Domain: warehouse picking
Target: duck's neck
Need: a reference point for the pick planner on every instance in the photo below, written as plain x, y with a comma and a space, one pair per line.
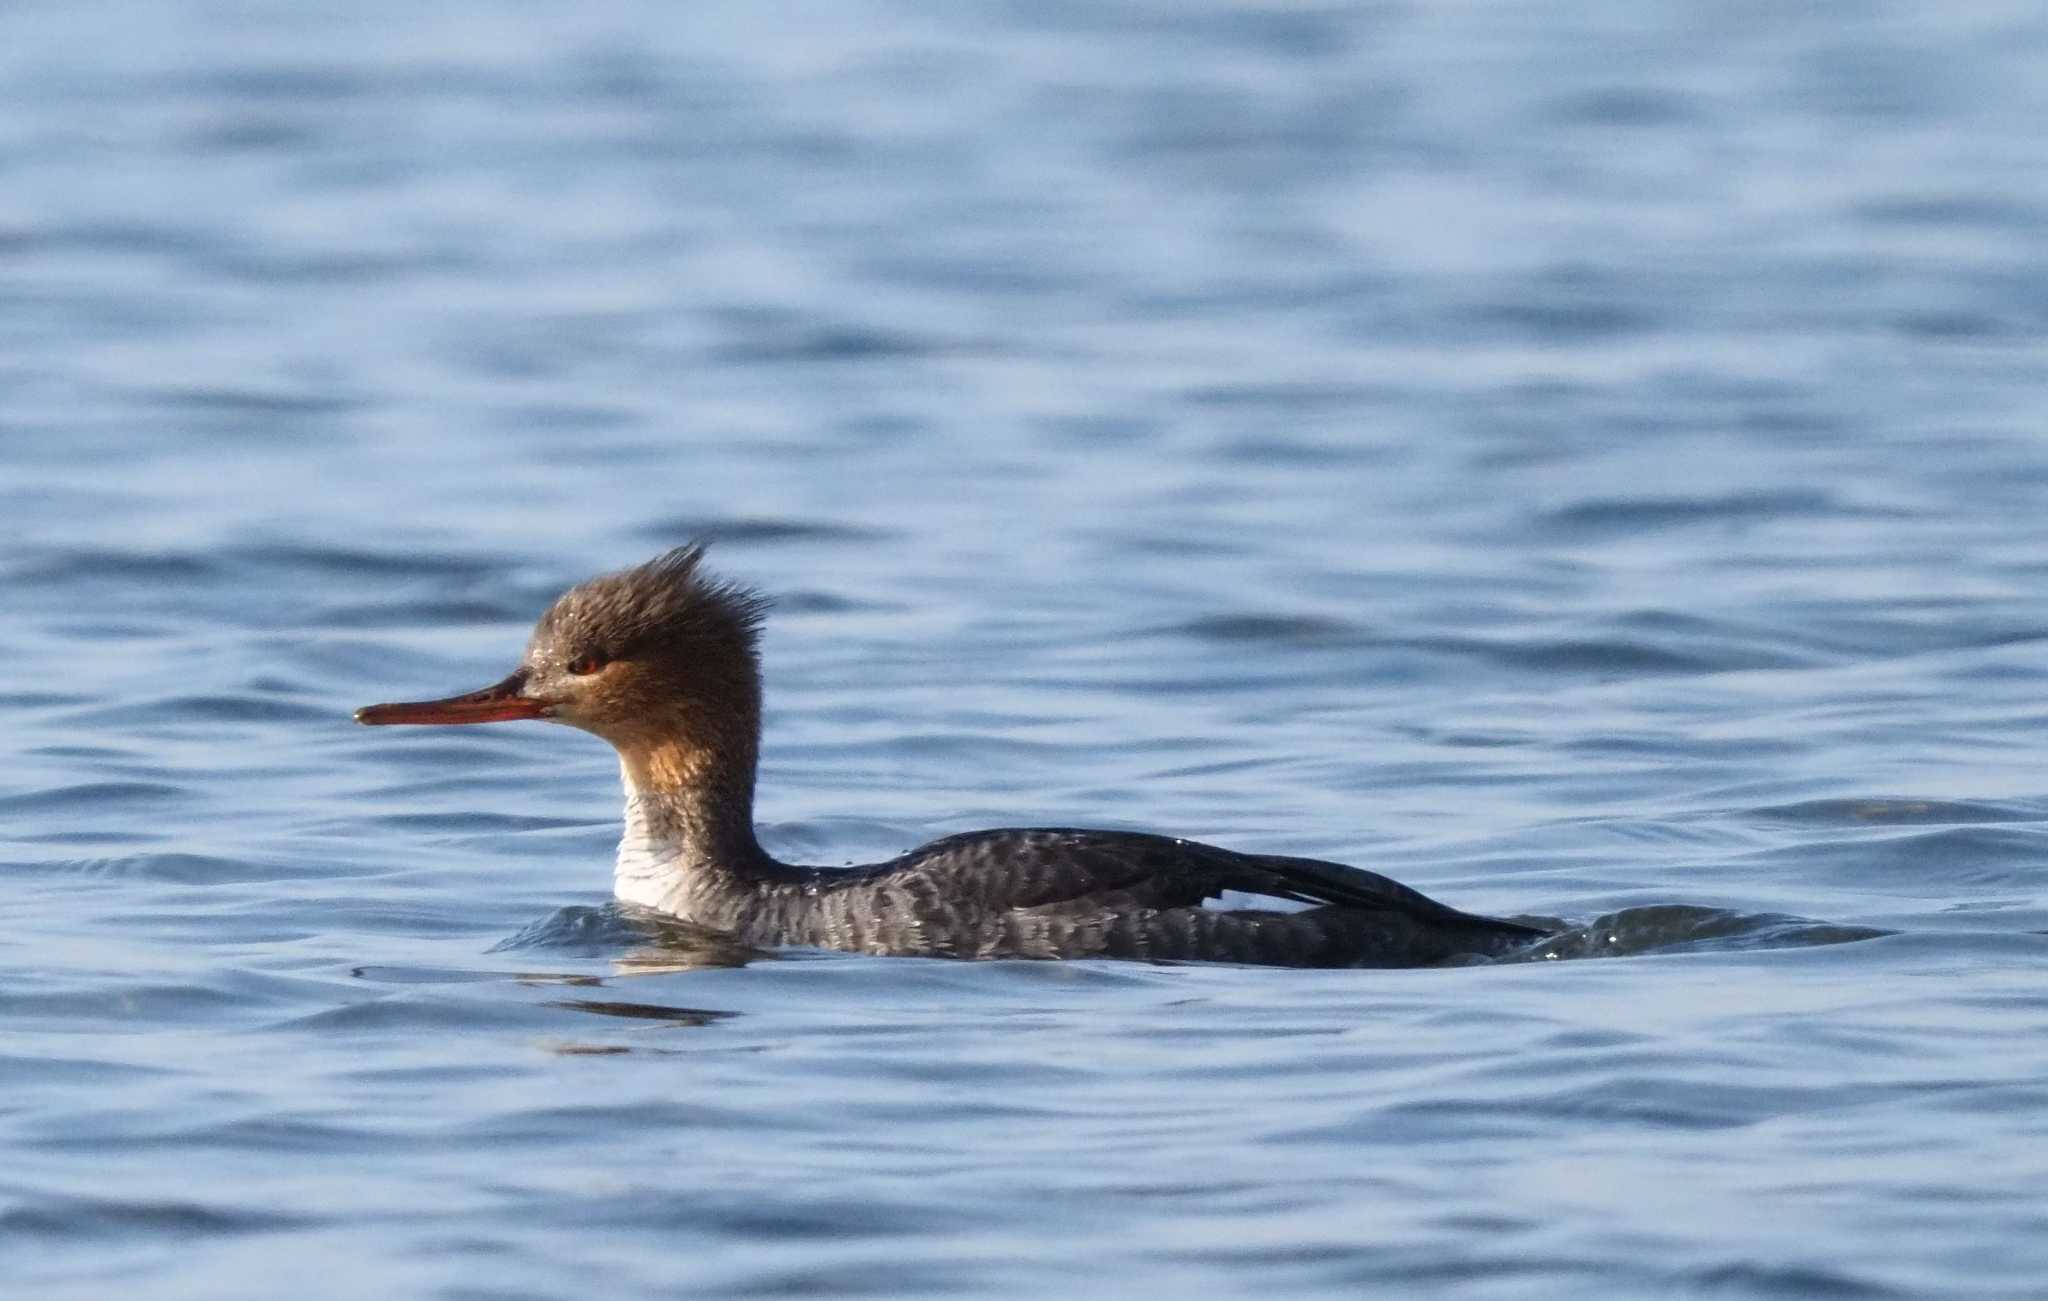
689, 826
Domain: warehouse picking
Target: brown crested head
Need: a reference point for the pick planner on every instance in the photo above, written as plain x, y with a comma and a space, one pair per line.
649, 652
624, 652
661, 660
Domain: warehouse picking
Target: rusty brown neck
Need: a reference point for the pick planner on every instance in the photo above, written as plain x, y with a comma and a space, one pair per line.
701, 811
689, 779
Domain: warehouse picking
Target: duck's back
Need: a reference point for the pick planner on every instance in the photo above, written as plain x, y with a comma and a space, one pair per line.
1066, 893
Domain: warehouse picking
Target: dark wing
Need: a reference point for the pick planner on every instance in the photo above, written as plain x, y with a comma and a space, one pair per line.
1035, 868
1050, 868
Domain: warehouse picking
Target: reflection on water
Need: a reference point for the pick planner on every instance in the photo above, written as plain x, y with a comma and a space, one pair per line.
1681, 928
652, 941
670, 1016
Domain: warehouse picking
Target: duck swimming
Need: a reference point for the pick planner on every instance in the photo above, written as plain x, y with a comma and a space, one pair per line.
663, 661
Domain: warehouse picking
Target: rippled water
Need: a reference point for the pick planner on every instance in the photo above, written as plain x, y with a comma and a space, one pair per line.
1585, 463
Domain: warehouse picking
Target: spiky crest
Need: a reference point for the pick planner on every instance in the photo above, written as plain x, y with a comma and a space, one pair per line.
668, 603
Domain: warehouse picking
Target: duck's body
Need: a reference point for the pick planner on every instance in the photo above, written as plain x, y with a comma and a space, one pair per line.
660, 661
1065, 893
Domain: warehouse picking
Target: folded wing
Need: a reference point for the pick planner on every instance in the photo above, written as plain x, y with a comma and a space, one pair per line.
1057, 868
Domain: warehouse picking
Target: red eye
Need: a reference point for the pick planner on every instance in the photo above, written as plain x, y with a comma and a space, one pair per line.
587, 663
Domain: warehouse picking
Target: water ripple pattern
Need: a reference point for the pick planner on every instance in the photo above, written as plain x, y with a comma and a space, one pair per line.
1585, 462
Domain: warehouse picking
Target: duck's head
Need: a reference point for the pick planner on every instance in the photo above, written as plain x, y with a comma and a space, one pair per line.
661, 656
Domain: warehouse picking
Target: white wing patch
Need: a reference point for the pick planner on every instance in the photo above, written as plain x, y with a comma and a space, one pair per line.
1239, 901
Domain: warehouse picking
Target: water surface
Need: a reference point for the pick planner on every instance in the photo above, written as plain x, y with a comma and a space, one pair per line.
1586, 464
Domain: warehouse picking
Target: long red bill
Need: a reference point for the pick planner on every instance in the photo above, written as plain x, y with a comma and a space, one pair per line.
500, 703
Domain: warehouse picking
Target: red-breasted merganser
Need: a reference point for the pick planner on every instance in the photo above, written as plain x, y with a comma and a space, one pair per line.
663, 661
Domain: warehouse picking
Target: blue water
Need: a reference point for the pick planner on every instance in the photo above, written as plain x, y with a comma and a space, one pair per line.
1587, 462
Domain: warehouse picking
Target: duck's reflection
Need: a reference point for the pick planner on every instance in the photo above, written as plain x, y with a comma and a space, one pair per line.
672, 1016
672, 944
637, 942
